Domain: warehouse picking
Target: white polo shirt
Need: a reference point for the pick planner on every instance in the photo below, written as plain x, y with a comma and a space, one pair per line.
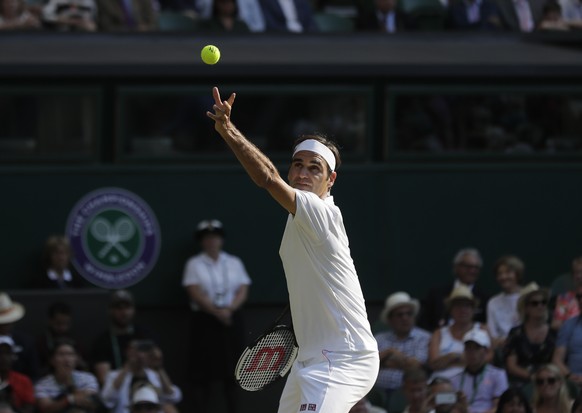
326, 299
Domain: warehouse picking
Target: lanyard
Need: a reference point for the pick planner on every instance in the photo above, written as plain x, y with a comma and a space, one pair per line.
219, 293
476, 382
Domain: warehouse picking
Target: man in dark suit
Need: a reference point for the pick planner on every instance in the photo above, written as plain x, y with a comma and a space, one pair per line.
473, 15
295, 16
466, 268
520, 15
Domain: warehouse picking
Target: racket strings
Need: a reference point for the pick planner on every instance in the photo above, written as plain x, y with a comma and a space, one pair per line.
268, 360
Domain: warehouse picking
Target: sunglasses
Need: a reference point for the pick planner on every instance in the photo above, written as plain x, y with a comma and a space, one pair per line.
535, 303
549, 380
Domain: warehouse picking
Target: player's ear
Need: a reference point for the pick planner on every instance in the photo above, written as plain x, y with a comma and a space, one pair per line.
331, 179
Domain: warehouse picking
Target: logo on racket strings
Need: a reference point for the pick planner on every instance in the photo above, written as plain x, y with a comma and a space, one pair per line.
267, 359
115, 237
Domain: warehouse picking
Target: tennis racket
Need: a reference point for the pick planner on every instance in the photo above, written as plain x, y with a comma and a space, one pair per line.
269, 358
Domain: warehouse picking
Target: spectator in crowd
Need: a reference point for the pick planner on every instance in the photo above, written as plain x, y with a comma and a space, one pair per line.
502, 313
552, 17
404, 346
566, 303
520, 15
117, 390
56, 263
568, 352
145, 399
65, 388
108, 348
217, 284
572, 12
385, 17
59, 326
481, 382
15, 16
293, 16
550, 393
15, 388
249, 11
70, 15
446, 348
443, 386
126, 15
473, 15
26, 357
513, 400
225, 18
155, 362
532, 343
415, 389
466, 269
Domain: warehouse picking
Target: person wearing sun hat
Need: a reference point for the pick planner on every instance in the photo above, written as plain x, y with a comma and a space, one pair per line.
145, 399
404, 346
446, 346
10, 313
521, 356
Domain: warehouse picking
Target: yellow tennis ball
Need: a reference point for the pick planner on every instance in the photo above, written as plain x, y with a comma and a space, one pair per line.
210, 54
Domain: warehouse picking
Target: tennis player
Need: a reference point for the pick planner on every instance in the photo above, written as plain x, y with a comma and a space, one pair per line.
338, 359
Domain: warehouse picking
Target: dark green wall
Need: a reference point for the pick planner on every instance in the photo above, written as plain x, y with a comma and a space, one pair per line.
405, 222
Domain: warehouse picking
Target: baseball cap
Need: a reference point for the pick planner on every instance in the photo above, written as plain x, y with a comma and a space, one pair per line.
209, 226
145, 394
478, 336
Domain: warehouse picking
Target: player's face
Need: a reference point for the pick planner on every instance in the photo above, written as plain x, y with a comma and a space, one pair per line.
309, 172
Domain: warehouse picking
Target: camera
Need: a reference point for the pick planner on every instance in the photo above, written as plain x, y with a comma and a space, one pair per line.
445, 398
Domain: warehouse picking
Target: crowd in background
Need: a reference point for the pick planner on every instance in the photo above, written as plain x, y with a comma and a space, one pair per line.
459, 349
293, 16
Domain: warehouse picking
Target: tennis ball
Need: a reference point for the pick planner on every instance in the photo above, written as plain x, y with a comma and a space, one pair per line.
210, 54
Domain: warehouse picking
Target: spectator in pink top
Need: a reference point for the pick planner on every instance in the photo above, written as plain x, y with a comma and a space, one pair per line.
566, 304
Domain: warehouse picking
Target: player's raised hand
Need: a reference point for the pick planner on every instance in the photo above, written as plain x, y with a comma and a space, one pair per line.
222, 110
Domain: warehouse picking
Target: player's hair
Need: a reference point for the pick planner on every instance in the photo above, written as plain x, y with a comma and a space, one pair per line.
321, 138
513, 263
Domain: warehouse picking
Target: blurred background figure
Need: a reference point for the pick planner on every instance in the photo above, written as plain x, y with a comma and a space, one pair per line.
566, 305
66, 389
293, 16
15, 16
57, 270
473, 15
385, 17
126, 15
550, 393
145, 399
16, 389
59, 326
513, 400
225, 18
70, 15
217, 285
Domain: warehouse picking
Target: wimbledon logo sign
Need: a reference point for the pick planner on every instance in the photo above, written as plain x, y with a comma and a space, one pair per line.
115, 237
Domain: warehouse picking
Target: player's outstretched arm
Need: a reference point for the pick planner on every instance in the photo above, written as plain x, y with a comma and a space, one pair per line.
258, 166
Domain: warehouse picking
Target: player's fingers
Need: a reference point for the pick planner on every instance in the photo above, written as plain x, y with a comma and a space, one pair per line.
216, 94
231, 99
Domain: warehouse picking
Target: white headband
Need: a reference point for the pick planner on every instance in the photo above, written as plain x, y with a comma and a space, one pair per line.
319, 148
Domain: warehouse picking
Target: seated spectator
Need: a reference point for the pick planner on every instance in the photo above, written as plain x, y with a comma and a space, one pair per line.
415, 391
467, 265
15, 16
116, 393
502, 313
225, 18
145, 399
520, 15
65, 388
293, 16
108, 348
473, 15
481, 382
15, 388
155, 361
56, 261
532, 343
26, 361
568, 352
404, 346
572, 13
446, 346
249, 11
513, 400
59, 326
442, 386
566, 304
550, 393
385, 17
126, 15
70, 15
552, 17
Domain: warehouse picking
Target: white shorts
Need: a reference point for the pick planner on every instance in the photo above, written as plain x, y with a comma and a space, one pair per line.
332, 383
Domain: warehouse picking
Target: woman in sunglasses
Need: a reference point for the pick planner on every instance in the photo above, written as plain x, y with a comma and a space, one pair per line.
531, 343
550, 393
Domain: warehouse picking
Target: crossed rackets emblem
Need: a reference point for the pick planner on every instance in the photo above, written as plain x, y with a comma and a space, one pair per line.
112, 235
